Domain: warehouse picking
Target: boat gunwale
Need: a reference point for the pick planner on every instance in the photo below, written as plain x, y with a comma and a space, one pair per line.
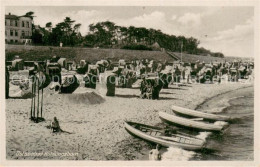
178, 144
200, 114
199, 125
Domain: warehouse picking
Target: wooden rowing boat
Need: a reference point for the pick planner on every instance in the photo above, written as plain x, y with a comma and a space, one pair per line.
163, 137
199, 114
189, 123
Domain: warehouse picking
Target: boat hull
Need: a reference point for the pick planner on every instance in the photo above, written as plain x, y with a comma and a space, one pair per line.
184, 122
135, 132
199, 114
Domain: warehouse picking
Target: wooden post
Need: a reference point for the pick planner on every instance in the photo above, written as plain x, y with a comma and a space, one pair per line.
38, 99
34, 87
42, 101
36, 92
32, 100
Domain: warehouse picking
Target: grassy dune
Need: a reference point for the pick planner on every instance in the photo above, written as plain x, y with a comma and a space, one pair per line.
39, 53
207, 59
194, 58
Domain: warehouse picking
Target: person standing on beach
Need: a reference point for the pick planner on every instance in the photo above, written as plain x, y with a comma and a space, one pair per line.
154, 154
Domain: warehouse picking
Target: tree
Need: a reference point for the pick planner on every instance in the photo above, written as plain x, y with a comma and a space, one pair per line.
30, 15
131, 34
76, 27
107, 34
48, 26
37, 36
64, 32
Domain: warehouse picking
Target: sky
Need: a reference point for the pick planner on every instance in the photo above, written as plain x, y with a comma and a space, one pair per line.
229, 30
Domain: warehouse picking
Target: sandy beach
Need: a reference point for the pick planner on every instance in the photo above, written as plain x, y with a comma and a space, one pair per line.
96, 122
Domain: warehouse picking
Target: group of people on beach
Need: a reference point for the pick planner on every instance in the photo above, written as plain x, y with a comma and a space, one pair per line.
151, 76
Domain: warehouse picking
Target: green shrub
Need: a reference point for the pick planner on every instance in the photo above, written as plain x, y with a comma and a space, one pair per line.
136, 47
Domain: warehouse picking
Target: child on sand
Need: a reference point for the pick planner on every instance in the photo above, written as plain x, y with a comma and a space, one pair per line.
55, 125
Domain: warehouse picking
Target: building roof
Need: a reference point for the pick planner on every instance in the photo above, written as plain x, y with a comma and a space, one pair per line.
15, 17
156, 45
31, 17
10, 16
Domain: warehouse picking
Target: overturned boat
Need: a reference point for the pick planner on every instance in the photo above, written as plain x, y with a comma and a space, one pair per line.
163, 137
190, 123
199, 114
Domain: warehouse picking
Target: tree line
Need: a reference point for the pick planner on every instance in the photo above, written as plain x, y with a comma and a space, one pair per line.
109, 35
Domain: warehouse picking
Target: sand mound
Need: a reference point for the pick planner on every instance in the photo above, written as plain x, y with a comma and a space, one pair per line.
85, 98
80, 96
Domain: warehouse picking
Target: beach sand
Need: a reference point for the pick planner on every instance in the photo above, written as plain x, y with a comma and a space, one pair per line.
97, 127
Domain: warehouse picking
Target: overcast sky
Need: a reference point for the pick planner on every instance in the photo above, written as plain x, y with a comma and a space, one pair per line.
229, 30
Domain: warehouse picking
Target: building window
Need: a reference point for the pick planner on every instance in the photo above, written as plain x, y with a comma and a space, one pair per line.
16, 41
11, 41
11, 23
28, 24
16, 23
16, 33
23, 34
5, 22
11, 32
22, 23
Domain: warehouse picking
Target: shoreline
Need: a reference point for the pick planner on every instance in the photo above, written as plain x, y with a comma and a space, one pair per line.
217, 95
239, 105
185, 154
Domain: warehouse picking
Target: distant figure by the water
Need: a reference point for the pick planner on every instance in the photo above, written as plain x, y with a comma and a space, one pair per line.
155, 154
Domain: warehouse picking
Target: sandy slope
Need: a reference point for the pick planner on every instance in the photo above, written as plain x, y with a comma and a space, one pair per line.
97, 128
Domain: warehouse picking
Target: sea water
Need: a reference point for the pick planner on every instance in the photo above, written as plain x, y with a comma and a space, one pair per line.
235, 143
